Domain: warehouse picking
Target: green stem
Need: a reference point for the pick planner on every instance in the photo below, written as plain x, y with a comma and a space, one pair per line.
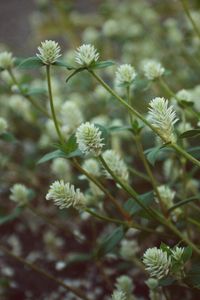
188, 14
29, 98
139, 174
52, 105
137, 114
42, 272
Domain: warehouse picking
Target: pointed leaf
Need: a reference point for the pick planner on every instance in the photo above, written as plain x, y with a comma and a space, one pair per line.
31, 63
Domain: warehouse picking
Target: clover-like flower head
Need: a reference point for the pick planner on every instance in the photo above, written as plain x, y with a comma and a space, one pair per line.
86, 54
49, 52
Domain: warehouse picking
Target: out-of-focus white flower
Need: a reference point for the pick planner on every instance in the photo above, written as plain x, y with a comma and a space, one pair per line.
167, 195
21, 107
71, 116
163, 118
89, 139
110, 28
90, 35
157, 262
125, 284
86, 54
65, 195
184, 126
92, 166
116, 164
19, 194
177, 253
152, 69
184, 95
125, 74
6, 60
3, 125
118, 295
49, 52
128, 249
61, 168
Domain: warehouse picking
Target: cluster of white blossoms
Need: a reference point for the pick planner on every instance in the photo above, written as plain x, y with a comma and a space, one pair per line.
116, 164
65, 195
167, 195
19, 194
86, 54
125, 74
61, 168
71, 116
89, 139
129, 249
49, 52
152, 69
163, 118
92, 166
157, 262
6, 60
124, 283
184, 95
177, 253
3, 125
118, 295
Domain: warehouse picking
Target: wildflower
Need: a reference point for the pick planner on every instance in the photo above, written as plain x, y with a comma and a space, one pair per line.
125, 74
91, 166
125, 284
177, 253
6, 60
71, 115
116, 164
157, 262
153, 69
89, 139
86, 54
65, 195
3, 125
61, 168
167, 195
128, 249
184, 95
163, 118
49, 52
118, 295
19, 194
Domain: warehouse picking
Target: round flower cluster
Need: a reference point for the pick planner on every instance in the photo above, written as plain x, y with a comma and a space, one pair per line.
116, 164
49, 52
89, 139
19, 194
118, 295
153, 69
86, 54
157, 262
65, 195
125, 74
92, 166
163, 118
3, 125
6, 60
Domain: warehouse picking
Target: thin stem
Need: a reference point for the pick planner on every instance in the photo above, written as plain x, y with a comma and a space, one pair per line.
188, 14
124, 214
139, 174
137, 114
42, 272
52, 105
29, 98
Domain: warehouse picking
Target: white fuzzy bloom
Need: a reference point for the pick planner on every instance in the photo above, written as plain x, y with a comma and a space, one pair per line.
128, 249
163, 118
184, 95
61, 168
125, 284
89, 139
49, 52
153, 69
118, 295
65, 195
177, 253
6, 60
71, 116
92, 166
86, 54
157, 262
116, 164
125, 74
3, 125
19, 194
167, 195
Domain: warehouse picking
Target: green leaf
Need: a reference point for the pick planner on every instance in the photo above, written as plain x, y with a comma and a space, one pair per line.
31, 63
193, 276
132, 207
187, 254
111, 241
166, 281
60, 63
74, 73
190, 133
8, 137
77, 258
36, 91
71, 145
185, 104
153, 154
183, 202
102, 64
51, 155
12, 216
119, 128
194, 151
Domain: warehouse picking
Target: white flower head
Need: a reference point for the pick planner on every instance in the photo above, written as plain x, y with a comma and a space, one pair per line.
92, 166
86, 54
177, 253
89, 139
3, 125
157, 262
19, 194
118, 295
6, 60
163, 118
125, 74
71, 115
116, 164
153, 69
49, 52
61, 168
125, 284
128, 249
184, 95
167, 195
65, 195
